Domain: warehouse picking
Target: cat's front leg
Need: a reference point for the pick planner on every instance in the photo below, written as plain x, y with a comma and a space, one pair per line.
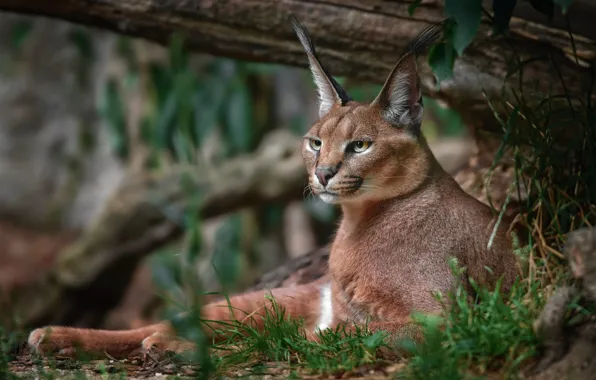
72, 342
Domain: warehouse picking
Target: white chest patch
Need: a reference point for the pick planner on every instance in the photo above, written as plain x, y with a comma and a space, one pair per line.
326, 309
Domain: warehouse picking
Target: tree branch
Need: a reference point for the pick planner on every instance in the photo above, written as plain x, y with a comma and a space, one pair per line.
149, 209
147, 212
359, 39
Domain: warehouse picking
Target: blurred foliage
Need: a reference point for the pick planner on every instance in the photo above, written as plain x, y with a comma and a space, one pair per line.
189, 103
82, 40
8, 340
112, 109
19, 34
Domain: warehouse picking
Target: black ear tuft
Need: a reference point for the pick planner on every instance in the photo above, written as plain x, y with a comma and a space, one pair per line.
426, 38
330, 92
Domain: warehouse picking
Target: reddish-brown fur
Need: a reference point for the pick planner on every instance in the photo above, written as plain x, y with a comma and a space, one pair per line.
403, 218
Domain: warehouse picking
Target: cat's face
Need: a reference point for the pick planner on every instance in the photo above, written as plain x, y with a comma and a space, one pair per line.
366, 152
354, 154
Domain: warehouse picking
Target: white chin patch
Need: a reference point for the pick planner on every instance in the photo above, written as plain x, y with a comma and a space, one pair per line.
329, 198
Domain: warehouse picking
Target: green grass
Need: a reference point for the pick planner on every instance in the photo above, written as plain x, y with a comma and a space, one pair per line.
282, 342
7, 342
491, 334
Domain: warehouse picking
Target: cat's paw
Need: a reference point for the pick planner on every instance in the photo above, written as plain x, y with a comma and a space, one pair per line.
161, 343
49, 341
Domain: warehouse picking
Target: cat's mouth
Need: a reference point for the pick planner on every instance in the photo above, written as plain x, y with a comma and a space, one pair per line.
340, 191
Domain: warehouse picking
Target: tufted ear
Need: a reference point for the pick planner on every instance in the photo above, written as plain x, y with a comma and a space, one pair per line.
330, 92
400, 98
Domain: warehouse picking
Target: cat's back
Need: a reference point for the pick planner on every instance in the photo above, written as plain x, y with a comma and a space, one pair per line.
482, 240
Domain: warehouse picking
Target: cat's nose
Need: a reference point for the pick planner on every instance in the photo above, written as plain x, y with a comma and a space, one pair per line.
325, 173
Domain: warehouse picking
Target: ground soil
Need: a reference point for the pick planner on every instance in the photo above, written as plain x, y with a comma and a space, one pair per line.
25, 366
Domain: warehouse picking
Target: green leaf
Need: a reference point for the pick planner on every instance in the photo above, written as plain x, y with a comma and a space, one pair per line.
208, 101
238, 117
165, 271
147, 132
125, 50
564, 4
131, 79
502, 10
441, 59
261, 68
193, 230
185, 83
112, 109
81, 39
467, 15
226, 253
375, 340
164, 125
413, 7
19, 33
205, 118
298, 124
162, 80
178, 54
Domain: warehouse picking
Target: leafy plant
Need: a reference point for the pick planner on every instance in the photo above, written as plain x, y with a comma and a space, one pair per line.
492, 333
464, 19
19, 33
7, 341
187, 103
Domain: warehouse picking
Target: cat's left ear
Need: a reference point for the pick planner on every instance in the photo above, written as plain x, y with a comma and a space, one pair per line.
400, 98
330, 92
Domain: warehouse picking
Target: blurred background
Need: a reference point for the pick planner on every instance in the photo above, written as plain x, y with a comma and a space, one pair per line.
133, 176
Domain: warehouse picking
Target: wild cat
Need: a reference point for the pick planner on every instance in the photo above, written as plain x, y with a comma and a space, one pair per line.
403, 217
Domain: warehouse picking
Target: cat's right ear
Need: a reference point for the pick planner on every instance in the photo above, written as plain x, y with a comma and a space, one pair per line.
330, 92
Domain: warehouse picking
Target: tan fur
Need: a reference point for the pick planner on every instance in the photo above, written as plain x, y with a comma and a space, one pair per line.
403, 218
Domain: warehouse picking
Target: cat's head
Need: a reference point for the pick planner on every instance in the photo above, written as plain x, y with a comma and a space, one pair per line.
365, 151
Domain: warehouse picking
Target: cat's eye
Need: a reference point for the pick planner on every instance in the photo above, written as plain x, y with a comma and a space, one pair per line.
315, 144
359, 146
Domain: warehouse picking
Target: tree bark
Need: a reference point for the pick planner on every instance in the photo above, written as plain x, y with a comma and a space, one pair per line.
567, 350
359, 39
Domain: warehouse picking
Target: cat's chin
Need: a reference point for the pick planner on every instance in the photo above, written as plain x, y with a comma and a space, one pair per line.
329, 198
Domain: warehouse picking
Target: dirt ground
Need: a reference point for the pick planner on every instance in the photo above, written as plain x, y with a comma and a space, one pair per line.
27, 367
